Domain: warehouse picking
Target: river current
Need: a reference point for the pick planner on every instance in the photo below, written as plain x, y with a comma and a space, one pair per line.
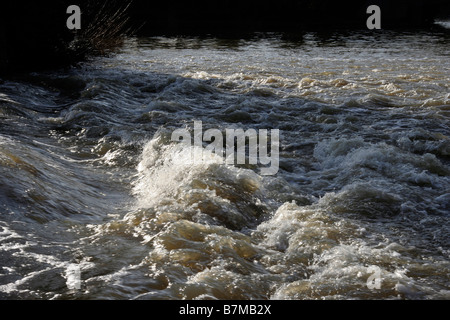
90, 179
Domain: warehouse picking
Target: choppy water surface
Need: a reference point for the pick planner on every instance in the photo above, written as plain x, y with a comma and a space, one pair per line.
89, 176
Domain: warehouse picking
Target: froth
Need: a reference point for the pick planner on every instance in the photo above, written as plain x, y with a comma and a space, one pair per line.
169, 176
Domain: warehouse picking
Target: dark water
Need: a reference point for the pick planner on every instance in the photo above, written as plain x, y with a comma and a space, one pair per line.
89, 177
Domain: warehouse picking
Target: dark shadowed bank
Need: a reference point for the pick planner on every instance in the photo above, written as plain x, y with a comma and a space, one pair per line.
236, 17
33, 34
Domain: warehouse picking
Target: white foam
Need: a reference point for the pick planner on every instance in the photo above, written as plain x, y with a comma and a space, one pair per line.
165, 168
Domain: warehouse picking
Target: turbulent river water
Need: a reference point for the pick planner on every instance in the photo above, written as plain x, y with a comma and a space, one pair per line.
91, 181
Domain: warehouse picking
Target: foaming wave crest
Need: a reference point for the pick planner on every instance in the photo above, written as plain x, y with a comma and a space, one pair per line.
169, 176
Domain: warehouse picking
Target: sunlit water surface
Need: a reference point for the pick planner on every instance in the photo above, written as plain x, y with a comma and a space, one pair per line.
89, 176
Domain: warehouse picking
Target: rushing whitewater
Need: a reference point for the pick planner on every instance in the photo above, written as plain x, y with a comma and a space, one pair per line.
98, 202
